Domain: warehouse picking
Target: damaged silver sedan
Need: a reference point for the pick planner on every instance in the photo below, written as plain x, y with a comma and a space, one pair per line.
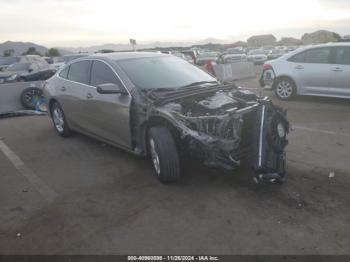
164, 107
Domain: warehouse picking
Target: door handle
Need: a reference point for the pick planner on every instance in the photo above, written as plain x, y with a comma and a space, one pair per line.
337, 69
299, 67
89, 96
63, 88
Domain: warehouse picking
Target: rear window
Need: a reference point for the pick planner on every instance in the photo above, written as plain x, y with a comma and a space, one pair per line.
343, 56
313, 56
298, 58
80, 72
64, 72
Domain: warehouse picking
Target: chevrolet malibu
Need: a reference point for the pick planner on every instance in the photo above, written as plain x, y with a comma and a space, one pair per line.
161, 106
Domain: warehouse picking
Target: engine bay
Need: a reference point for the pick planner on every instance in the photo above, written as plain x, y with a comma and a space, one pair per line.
218, 103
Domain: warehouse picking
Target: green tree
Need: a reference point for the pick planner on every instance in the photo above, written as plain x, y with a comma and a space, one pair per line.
53, 52
8, 52
31, 51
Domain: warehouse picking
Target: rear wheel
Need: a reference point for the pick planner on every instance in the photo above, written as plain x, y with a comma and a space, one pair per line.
30, 96
164, 154
285, 89
59, 120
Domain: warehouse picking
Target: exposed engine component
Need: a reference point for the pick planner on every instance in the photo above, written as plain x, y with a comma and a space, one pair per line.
218, 103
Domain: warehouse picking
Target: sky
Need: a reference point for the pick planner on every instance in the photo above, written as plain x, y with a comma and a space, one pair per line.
73, 23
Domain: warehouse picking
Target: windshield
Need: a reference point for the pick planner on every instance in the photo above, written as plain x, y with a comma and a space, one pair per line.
234, 51
163, 72
18, 67
209, 54
181, 55
8, 60
256, 52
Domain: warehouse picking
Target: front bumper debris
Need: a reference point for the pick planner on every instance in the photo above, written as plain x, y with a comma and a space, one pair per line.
251, 133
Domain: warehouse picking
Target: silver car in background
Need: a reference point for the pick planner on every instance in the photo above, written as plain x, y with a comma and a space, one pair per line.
257, 56
319, 70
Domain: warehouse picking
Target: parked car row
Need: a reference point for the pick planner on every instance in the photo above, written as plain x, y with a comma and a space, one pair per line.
239, 54
31, 67
26, 68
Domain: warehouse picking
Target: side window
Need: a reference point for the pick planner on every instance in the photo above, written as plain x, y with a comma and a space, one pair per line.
64, 72
102, 74
343, 55
298, 58
318, 56
34, 67
80, 72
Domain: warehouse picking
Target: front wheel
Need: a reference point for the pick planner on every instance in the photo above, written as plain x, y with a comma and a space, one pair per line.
285, 89
164, 154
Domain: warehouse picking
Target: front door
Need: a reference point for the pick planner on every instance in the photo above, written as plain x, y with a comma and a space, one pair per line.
107, 115
313, 71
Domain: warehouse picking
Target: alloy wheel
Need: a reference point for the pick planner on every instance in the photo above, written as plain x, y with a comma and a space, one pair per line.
58, 119
155, 157
284, 89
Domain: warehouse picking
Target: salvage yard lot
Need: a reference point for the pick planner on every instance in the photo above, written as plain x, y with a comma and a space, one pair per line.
79, 196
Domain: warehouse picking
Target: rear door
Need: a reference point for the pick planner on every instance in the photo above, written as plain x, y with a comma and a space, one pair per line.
73, 91
312, 69
107, 115
340, 72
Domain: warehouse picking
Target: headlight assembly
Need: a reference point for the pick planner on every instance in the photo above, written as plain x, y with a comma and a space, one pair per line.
281, 130
11, 78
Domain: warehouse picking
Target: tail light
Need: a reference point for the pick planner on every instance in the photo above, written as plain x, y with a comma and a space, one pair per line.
267, 67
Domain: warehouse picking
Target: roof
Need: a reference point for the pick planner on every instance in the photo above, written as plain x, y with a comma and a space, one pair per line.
127, 55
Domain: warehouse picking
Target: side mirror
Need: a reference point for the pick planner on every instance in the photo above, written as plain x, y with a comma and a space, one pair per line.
110, 88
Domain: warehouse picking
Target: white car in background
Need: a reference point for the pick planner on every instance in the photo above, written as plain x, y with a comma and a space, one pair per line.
319, 70
183, 56
234, 55
257, 56
206, 57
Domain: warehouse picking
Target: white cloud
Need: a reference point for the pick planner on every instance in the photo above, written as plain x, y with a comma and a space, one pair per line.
85, 22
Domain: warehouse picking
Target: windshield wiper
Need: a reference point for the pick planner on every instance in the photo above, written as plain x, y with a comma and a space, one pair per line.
200, 83
160, 89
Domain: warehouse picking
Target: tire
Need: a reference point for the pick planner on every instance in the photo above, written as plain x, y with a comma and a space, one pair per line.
285, 89
30, 96
164, 154
59, 120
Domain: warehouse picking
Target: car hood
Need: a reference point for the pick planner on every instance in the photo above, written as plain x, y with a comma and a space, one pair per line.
10, 73
256, 56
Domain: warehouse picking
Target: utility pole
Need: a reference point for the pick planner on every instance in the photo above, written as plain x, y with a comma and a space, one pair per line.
133, 44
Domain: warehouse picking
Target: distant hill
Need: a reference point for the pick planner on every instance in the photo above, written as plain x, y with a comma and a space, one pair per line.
319, 37
21, 47
261, 40
288, 41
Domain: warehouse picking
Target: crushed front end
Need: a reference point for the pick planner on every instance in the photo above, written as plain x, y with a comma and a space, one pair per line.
232, 125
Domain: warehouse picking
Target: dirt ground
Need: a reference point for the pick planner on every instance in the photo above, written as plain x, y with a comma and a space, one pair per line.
79, 196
